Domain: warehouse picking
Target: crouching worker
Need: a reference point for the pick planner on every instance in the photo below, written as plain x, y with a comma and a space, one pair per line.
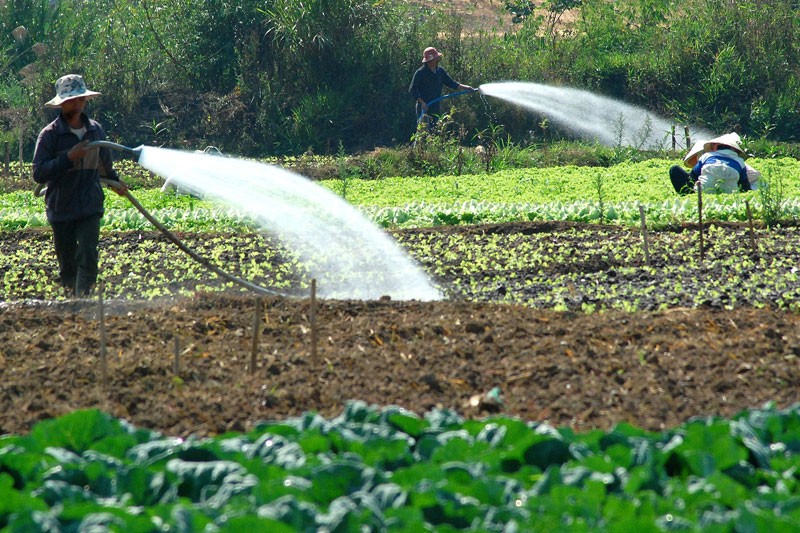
717, 166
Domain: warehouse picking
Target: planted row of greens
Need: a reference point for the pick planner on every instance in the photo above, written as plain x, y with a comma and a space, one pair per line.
590, 268
581, 194
571, 193
583, 268
388, 469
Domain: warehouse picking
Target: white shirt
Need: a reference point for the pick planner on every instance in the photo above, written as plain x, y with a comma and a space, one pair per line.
718, 176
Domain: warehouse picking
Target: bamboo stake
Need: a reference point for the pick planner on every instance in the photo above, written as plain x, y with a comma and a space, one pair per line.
21, 153
256, 335
753, 246
700, 219
312, 315
176, 361
674, 139
102, 324
644, 235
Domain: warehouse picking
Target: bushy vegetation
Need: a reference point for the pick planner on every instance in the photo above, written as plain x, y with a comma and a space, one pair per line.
285, 77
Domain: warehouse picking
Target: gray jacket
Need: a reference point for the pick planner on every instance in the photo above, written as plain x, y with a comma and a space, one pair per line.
73, 188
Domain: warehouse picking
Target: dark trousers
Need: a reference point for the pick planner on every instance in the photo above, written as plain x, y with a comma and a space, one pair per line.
433, 110
76, 244
681, 180
431, 116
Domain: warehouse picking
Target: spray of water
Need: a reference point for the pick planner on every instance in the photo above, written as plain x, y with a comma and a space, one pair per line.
350, 257
590, 116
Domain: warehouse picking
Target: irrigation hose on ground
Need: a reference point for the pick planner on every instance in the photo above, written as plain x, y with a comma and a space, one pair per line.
134, 155
177, 242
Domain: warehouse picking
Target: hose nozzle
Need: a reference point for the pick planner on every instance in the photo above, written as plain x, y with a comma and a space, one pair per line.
127, 153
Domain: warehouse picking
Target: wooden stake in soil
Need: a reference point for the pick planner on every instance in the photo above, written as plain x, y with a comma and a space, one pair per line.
176, 361
750, 226
256, 334
700, 219
102, 324
688, 137
674, 139
644, 236
21, 152
312, 316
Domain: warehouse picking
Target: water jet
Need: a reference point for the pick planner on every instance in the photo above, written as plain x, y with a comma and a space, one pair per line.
349, 256
591, 116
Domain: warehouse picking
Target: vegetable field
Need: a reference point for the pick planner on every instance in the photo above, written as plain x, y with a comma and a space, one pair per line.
580, 375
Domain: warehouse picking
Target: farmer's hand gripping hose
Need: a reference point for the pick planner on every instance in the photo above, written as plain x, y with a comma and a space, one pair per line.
122, 190
128, 153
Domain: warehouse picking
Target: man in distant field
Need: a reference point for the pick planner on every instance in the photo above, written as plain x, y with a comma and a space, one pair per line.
427, 83
72, 171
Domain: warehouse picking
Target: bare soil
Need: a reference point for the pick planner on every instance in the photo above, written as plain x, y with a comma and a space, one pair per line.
485, 15
184, 366
489, 15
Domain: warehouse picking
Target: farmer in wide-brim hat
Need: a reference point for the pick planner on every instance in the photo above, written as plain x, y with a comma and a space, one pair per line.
72, 170
427, 83
717, 165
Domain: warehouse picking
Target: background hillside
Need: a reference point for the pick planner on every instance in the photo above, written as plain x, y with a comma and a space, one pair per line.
480, 15
284, 77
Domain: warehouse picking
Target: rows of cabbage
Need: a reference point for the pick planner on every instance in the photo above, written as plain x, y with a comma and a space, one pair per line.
373, 469
587, 268
580, 194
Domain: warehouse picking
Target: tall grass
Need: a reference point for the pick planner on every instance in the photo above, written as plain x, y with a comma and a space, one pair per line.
266, 77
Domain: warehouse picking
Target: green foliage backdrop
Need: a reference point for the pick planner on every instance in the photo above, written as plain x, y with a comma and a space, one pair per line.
277, 77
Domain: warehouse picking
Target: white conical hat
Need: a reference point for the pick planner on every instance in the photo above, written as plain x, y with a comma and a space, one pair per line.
730, 140
690, 159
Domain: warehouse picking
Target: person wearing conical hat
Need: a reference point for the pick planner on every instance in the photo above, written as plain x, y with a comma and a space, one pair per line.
72, 170
427, 82
717, 166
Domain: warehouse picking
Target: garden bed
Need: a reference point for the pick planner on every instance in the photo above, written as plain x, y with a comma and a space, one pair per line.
478, 352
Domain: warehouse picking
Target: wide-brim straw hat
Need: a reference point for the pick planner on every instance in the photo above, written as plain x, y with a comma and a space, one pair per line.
69, 87
731, 140
690, 159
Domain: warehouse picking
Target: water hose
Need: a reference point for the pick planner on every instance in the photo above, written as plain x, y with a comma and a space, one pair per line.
129, 153
450, 95
134, 154
444, 97
177, 242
